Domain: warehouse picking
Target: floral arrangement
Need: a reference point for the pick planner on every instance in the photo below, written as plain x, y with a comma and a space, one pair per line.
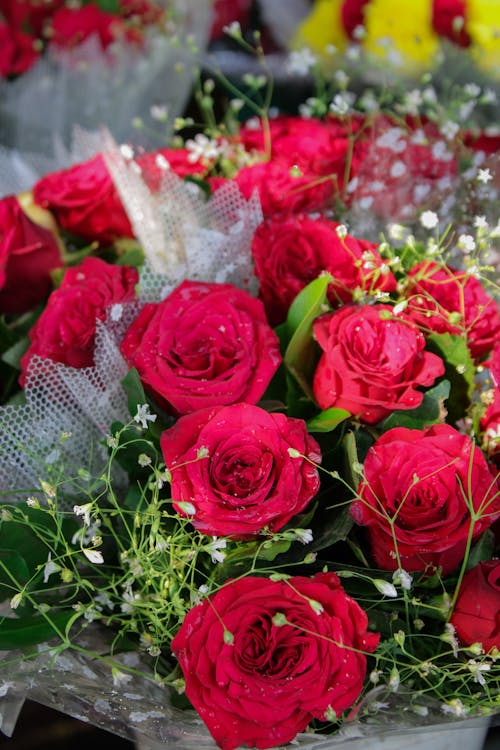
411, 42
295, 501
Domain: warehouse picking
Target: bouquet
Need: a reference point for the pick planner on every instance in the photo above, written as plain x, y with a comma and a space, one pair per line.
281, 509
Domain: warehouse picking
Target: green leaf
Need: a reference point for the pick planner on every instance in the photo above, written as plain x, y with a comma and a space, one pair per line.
482, 550
270, 550
431, 410
460, 370
327, 420
134, 390
13, 355
307, 306
27, 631
332, 525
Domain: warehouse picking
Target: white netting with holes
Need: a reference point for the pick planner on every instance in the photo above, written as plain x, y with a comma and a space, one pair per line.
68, 412
183, 234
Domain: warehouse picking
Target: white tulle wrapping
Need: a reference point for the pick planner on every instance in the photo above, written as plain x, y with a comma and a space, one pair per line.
184, 237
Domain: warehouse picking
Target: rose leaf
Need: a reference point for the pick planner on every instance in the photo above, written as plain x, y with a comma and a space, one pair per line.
327, 420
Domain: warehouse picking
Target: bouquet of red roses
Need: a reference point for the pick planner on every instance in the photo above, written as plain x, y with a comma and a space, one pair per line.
283, 502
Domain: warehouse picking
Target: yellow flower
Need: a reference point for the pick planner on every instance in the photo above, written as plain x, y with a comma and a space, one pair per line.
404, 38
483, 25
322, 28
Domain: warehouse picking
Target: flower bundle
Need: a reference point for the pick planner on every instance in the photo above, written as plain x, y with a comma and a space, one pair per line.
409, 42
297, 497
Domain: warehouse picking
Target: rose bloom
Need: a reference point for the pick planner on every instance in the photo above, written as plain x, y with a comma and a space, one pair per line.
280, 190
444, 300
72, 26
154, 165
320, 147
286, 663
29, 15
419, 478
28, 253
17, 53
85, 201
65, 331
248, 481
205, 344
445, 14
290, 251
476, 616
372, 362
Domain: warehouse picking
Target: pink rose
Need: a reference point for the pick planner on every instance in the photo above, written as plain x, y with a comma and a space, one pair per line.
372, 362
17, 51
204, 345
285, 664
424, 482
248, 481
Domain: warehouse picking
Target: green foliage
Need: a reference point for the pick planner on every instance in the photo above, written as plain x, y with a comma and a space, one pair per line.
431, 411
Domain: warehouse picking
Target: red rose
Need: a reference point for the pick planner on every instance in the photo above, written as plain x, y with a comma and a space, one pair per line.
372, 362
85, 202
315, 146
282, 190
65, 331
353, 15
154, 165
425, 482
226, 12
399, 170
476, 616
17, 51
71, 26
449, 20
295, 651
204, 345
291, 251
444, 300
248, 480
28, 253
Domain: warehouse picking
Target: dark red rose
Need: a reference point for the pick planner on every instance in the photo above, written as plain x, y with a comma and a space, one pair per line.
65, 331
444, 300
17, 51
28, 15
28, 253
85, 202
290, 251
226, 12
449, 20
204, 345
372, 362
352, 14
281, 189
71, 26
295, 649
425, 482
401, 170
476, 616
248, 481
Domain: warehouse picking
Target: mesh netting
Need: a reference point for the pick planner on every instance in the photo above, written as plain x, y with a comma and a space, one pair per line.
68, 412
183, 234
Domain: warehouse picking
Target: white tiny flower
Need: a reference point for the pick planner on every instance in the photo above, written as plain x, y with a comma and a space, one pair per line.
341, 230
120, 678
400, 307
477, 669
484, 176
394, 679
467, 243
202, 148
126, 151
186, 507
16, 601
385, 588
143, 416
472, 89
401, 578
202, 452
232, 29
32, 502
398, 169
215, 549
144, 460
396, 231
159, 112
83, 510
112, 441
480, 222
429, 219
50, 568
94, 556
341, 103
449, 129
301, 61
304, 535
454, 707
